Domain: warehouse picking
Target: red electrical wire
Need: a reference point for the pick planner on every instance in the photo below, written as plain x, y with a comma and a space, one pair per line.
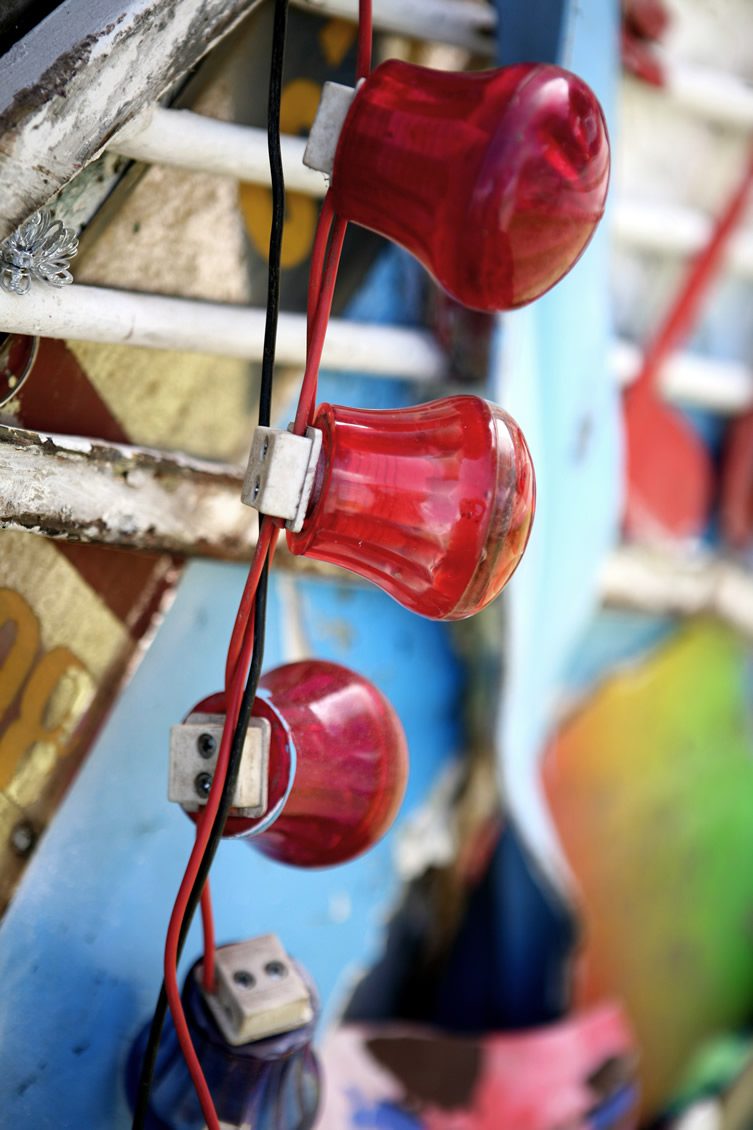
203, 829
318, 327
246, 606
207, 927
325, 260
365, 35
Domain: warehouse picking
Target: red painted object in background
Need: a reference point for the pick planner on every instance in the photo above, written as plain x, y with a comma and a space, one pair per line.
669, 471
576, 1074
433, 503
339, 739
643, 23
736, 483
648, 19
495, 181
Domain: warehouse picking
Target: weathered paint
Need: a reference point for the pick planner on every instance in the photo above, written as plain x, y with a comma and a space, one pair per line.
113, 494
83, 73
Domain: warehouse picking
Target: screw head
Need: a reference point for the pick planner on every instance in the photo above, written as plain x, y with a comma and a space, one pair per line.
202, 784
22, 838
206, 745
243, 978
276, 970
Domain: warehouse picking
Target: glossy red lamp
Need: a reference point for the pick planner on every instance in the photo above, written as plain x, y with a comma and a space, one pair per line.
337, 764
495, 180
432, 503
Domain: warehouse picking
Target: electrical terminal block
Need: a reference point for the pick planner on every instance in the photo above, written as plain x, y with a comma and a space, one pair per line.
325, 132
259, 992
280, 475
194, 747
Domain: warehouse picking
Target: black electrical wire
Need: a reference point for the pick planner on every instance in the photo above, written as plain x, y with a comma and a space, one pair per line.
277, 59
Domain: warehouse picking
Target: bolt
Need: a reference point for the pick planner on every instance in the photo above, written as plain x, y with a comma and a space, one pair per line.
245, 979
206, 745
275, 970
22, 838
202, 784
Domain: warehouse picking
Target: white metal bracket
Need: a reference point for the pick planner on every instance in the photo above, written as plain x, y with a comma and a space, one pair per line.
194, 747
325, 132
259, 992
280, 474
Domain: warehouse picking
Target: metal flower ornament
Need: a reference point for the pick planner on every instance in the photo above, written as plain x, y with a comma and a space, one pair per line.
41, 248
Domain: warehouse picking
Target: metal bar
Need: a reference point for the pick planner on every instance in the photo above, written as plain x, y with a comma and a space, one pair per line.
186, 140
711, 94
78, 489
96, 314
663, 583
670, 229
461, 23
723, 387
81, 74
92, 491
127, 318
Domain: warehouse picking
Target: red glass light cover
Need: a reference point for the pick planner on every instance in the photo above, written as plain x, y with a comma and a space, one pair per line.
432, 503
495, 181
342, 743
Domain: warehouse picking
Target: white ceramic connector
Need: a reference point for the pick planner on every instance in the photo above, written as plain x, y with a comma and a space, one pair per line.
194, 746
259, 992
328, 123
280, 473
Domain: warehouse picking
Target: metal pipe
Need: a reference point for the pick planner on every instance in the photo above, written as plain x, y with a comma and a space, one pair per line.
185, 140
670, 229
90, 313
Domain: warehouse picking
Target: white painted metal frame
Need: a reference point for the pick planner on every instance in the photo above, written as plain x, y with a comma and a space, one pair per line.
667, 583
89, 313
185, 140
671, 229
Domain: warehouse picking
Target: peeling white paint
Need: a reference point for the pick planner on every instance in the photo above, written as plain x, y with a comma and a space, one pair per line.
81, 74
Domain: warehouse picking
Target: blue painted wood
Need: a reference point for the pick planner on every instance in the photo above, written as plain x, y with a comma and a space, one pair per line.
80, 948
552, 374
531, 32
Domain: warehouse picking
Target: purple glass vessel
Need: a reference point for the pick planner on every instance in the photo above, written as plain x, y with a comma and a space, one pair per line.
271, 1084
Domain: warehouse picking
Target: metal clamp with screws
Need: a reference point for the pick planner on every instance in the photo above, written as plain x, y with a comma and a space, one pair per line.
259, 991
281, 472
194, 747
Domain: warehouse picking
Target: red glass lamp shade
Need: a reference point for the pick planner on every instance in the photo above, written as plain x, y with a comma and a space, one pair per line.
338, 764
432, 503
495, 181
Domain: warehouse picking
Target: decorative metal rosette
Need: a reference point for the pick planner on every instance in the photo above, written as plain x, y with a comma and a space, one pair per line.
41, 248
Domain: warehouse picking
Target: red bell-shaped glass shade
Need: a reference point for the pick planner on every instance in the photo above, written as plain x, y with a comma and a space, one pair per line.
338, 764
495, 181
433, 503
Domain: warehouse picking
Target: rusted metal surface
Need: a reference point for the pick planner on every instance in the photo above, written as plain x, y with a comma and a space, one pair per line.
74, 80
114, 494
75, 489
